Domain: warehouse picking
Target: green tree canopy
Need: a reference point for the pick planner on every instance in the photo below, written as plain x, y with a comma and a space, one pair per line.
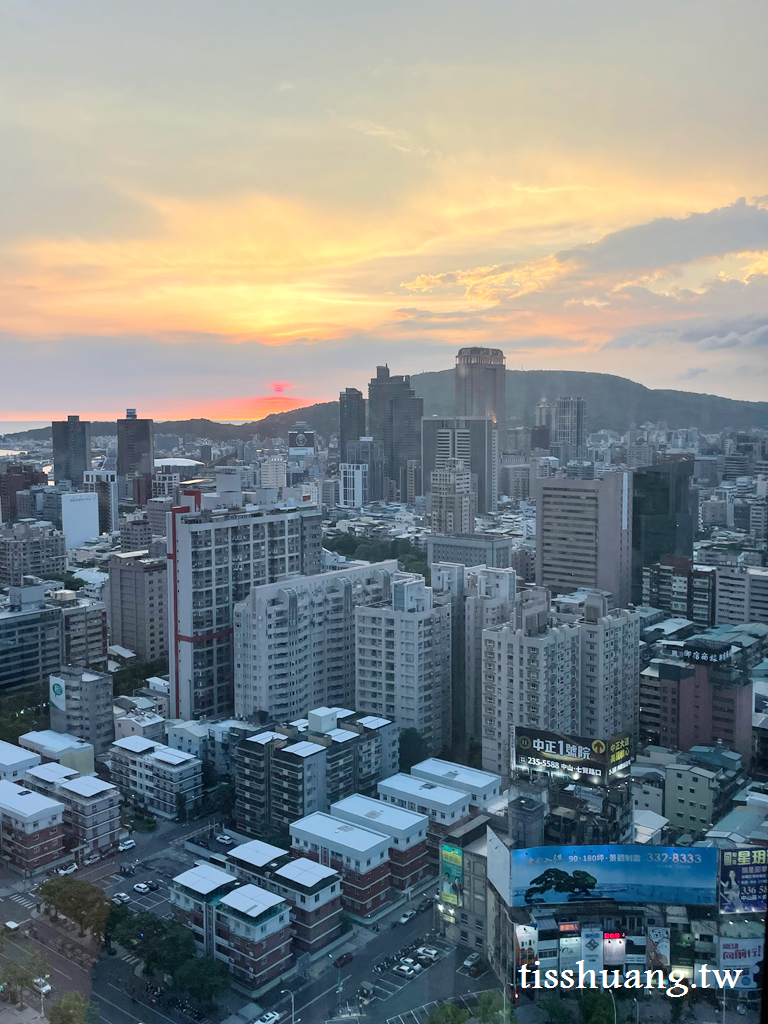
447, 1013
72, 1008
413, 749
490, 1008
556, 1010
203, 978
83, 902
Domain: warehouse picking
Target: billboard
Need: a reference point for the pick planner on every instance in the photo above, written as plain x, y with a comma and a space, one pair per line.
592, 760
642, 874
658, 948
451, 875
747, 954
614, 949
744, 880
301, 442
57, 693
526, 944
592, 948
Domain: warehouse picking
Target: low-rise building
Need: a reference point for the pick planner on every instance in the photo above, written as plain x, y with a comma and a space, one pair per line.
15, 761
482, 787
191, 737
444, 807
168, 782
360, 855
91, 807
31, 828
406, 829
62, 747
141, 723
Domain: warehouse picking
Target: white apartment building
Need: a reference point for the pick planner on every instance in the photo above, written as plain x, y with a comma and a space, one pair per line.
141, 723
295, 641
481, 787
403, 660
215, 557
742, 594
531, 676
274, 472
354, 490
170, 782
91, 806
440, 803
15, 761
610, 671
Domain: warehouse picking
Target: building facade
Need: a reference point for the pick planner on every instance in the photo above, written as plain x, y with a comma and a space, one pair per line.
138, 595
394, 421
168, 782
80, 703
32, 630
71, 449
30, 548
473, 440
31, 829
351, 418
480, 383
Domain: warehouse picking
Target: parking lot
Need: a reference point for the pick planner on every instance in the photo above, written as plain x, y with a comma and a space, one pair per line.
420, 1014
387, 983
156, 902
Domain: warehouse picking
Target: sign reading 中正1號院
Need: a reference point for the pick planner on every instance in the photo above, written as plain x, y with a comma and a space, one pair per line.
744, 880
642, 874
599, 761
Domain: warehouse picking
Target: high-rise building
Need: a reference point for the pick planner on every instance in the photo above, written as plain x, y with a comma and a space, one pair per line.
474, 440
274, 472
31, 629
472, 549
480, 598
30, 549
610, 670
351, 419
531, 677
71, 449
84, 629
453, 500
366, 451
81, 704
664, 515
681, 589
15, 477
103, 482
568, 430
136, 532
403, 660
135, 457
138, 595
79, 517
413, 485
480, 380
584, 535
742, 594
284, 678
215, 559
543, 414
353, 484
394, 421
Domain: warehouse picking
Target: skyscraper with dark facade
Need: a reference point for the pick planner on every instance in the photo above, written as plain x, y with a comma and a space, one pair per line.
351, 419
135, 457
568, 429
394, 420
71, 449
480, 383
664, 516
474, 440
15, 477
365, 451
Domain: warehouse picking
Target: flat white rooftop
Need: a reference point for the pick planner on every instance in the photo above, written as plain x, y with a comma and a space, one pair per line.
256, 853
458, 776
405, 786
374, 722
11, 755
341, 735
251, 900
339, 833
303, 748
52, 772
171, 757
306, 872
50, 740
384, 817
25, 802
266, 737
204, 878
135, 744
87, 785
193, 728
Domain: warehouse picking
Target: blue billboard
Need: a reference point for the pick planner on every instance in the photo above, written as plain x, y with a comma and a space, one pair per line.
642, 874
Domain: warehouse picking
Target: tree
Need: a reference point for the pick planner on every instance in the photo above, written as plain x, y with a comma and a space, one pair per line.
203, 978
595, 1007
413, 749
84, 902
146, 933
117, 919
181, 807
490, 1008
556, 1010
209, 775
177, 947
447, 1013
17, 978
73, 1009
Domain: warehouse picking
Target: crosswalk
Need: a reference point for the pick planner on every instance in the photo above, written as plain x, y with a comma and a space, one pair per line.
23, 901
129, 958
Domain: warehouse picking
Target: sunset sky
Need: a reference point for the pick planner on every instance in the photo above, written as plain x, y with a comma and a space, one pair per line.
227, 209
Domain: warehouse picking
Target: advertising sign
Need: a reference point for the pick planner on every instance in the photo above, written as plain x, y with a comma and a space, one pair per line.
744, 880
526, 944
614, 949
592, 760
570, 951
301, 442
657, 948
642, 874
57, 694
746, 954
592, 948
451, 875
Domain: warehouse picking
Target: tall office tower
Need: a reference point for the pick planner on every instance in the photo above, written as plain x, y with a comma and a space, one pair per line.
479, 598
584, 535
453, 499
215, 559
543, 414
568, 429
366, 451
284, 678
394, 421
138, 596
15, 477
474, 440
351, 419
610, 671
81, 704
413, 486
30, 549
104, 483
481, 383
531, 677
663, 519
403, 660
354, 489
71, 449
135, 457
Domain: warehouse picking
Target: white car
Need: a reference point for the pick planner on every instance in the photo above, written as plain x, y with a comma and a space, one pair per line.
408, 961
127, 844
471, 960
404, 972
406, 917
68, 870
270, 1017
225, 840
94, 857
141, 887
429, 952
41, 985
121, 897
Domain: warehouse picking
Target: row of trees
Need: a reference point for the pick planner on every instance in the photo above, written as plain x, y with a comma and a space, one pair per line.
82, 902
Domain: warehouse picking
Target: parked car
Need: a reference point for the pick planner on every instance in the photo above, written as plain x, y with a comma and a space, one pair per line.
225, 840
477, 969
152, 884
424, 905
408, 961
471, 960
41, 986
127, 844
127, 869
121, 897
69, 870
141, 887
428, 951
404, 972
406, 917
343, 960
93, 859
270, 1017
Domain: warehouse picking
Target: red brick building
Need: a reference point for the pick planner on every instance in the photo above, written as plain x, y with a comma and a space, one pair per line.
407, 831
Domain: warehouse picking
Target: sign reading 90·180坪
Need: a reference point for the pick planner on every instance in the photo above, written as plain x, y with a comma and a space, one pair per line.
592, 760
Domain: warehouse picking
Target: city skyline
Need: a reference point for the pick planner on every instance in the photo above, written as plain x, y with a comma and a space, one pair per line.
253, 211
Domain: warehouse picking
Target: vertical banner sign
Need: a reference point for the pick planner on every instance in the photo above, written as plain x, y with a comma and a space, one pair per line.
452, 875
592, 948
57, 693
657, 948
744, 880
746, 954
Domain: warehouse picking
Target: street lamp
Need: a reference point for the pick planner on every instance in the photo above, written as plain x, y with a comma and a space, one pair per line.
287, 992
42, 995
610, 993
